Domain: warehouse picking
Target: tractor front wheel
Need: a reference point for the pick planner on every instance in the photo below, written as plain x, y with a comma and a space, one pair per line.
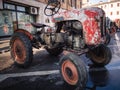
73, 70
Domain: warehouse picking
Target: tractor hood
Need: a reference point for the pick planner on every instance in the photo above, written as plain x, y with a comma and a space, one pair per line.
80, 15
92, 19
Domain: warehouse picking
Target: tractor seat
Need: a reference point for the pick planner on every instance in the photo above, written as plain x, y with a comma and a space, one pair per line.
38, 25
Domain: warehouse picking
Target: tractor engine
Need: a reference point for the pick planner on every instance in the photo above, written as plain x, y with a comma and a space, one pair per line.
70, 37
54, 40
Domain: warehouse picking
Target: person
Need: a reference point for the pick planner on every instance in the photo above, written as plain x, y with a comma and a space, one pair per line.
112, 28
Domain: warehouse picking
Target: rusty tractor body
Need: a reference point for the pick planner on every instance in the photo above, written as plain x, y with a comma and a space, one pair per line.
80, 31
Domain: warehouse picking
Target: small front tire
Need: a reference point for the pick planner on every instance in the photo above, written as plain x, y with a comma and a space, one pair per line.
73, 70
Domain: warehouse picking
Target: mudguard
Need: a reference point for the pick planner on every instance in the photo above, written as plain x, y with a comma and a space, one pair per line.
25, 32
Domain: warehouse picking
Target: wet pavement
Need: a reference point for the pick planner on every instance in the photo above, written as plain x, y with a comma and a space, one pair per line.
102, 79
44, 73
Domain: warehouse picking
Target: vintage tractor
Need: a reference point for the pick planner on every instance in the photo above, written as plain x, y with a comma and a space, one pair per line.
78, 31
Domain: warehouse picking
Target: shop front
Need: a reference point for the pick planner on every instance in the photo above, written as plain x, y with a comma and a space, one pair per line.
15, 16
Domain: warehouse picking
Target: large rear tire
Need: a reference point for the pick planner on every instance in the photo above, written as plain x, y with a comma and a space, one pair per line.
73, 70
21, 49
100, 56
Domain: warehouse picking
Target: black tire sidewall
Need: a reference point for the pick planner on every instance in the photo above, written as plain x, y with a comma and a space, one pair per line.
27, 44
80, 66
107, 53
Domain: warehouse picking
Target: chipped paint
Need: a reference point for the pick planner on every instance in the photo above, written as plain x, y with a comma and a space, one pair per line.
90, 19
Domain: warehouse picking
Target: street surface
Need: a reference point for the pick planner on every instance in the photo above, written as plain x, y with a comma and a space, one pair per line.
43, 74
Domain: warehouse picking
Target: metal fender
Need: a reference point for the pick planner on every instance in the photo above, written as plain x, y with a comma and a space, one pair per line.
25, 32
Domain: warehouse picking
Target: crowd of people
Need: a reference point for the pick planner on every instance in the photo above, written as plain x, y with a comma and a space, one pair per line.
113, 26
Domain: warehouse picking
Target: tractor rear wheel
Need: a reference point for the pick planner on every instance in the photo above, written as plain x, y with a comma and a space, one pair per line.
21, 49
73, 70
100, 56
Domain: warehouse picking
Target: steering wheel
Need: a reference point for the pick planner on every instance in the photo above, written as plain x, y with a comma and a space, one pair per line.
52, 7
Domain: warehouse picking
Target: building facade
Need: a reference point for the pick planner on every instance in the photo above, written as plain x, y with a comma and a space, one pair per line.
111, 8
67, 4
15, 14
18, 14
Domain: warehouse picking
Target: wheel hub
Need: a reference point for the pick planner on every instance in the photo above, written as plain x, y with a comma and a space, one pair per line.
69, 72
19, 51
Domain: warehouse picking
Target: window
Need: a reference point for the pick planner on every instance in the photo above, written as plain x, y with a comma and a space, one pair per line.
63, 1
70, 3
111, 5
9, 6
73, 3
20, 8
118, 4
80, 4
117, 12
47, 20
46, 1
24, 22
105, 6
16, 17
6, 22
111, 13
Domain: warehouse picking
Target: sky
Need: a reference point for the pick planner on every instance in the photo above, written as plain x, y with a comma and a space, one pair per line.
96, 1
